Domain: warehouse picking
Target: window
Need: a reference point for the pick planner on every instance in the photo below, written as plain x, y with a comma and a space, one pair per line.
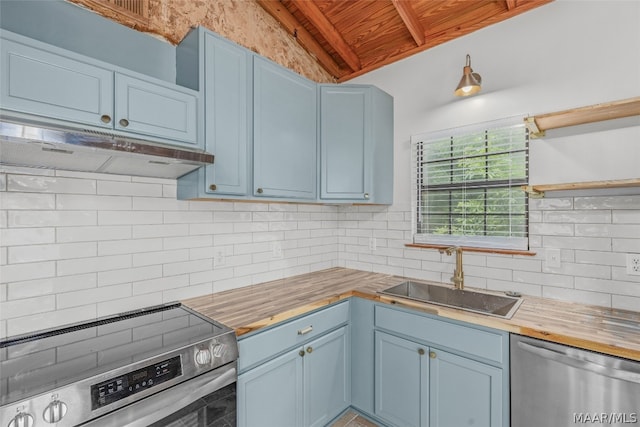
466, 187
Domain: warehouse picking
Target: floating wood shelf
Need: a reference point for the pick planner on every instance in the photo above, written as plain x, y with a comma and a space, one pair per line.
538, 124
539, 190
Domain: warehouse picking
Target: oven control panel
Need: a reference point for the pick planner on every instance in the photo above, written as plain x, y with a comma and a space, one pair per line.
114, 389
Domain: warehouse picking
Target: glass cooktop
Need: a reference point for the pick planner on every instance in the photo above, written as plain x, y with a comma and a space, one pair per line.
38, 362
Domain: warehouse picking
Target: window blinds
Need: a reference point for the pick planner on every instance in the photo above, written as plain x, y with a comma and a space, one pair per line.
466, 185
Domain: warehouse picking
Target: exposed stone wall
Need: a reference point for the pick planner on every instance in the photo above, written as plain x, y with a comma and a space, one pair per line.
242, 21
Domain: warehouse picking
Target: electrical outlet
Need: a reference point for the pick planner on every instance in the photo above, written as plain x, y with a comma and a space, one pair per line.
373, 244
633, 264
276, 250
220, 259
553, 258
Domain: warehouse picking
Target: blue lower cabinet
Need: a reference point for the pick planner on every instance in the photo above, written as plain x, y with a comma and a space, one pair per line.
271, 394
464, 392
305, 387
327, 385
401, 381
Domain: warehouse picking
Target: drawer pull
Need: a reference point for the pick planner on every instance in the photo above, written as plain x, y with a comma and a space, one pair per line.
306, 330
309, 349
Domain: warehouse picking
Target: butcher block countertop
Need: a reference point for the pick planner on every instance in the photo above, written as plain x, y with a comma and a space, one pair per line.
247, 309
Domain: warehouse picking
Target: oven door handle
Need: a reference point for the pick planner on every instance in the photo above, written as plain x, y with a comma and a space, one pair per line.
158, 406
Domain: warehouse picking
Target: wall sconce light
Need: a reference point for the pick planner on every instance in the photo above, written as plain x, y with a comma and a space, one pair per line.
470, 82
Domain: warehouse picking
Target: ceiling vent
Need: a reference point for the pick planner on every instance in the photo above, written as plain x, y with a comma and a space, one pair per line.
134, 11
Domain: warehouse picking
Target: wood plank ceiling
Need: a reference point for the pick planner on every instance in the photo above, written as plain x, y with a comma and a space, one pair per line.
352, 37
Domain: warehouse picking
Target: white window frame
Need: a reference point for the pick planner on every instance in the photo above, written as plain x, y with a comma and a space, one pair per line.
515, 241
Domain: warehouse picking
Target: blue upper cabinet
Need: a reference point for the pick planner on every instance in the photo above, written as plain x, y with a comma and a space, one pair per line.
155, 109
356, 144
284, 133
55, 84
227, 95
36, 81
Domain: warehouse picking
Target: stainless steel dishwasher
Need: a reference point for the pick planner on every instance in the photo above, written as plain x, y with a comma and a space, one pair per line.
560, 386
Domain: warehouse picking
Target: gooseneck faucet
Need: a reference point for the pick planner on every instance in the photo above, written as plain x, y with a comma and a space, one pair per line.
458, 274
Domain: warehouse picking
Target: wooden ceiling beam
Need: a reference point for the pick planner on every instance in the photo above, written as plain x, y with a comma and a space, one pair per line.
511, 4
329, 32
291, 24
442, 36
410, 19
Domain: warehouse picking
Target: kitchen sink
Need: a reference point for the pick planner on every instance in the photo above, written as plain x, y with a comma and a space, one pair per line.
477, 302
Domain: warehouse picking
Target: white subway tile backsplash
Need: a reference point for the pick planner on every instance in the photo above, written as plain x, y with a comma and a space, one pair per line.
23, 307
92, 296
51, 218
92, 265
50, 184
129, 217
159, 203
160, 284
626, 217
27, 201
161, 257
613, 202
35, 253
50, 285
126, 275
26, 236
92, 233
132, 246
129, 189
18, 272
91, 202
168, 230
114, 243
50, 319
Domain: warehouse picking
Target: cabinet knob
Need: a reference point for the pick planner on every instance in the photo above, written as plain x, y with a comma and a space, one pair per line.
309, 349
366, 196
259, 190
421, 351
432, 354
124, 123
213, 187
105, 118
301, 353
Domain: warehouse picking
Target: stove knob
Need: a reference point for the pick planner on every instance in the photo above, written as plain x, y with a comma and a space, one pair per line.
21, 420
218, 350
203, 357
55, 411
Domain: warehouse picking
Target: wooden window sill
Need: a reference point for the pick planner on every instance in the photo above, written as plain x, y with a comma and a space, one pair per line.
472, 249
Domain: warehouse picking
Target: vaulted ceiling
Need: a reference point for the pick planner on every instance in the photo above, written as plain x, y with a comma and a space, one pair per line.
352, 37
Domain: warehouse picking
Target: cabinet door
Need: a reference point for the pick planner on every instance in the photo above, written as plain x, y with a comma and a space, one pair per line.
284, 140
155, 109
271, 394
227, 119
327, 383
401, 381
38, 82
464, 392
345, 142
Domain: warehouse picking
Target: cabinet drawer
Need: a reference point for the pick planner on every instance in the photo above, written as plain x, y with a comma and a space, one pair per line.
480, 343
264, 345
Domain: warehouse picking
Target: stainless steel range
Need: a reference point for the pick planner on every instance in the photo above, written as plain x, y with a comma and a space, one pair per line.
161, 366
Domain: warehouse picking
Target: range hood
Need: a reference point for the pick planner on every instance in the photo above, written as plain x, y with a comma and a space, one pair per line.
57, 147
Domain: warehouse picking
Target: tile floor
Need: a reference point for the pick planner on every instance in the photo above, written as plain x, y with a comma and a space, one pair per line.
352, 419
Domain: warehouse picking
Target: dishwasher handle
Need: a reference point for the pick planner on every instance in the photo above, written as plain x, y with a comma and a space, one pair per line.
587, 365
